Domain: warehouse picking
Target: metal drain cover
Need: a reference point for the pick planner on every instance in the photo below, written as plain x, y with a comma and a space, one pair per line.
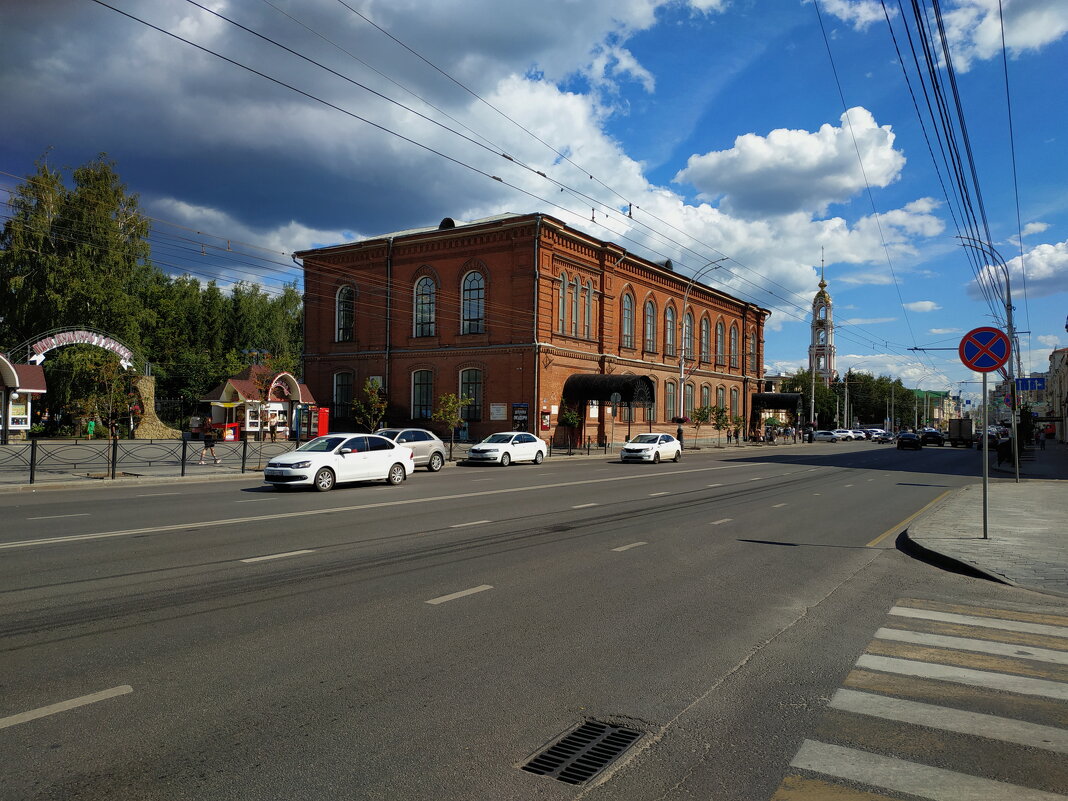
585, 752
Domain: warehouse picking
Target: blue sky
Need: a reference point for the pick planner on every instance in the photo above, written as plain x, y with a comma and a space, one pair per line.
721, 121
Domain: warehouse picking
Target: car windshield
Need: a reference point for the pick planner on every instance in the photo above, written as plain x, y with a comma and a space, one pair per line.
647, 438
498, 438
321, 444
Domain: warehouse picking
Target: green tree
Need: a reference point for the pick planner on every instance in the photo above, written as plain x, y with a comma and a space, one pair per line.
370, 411
449, 412
720, 420
702, 415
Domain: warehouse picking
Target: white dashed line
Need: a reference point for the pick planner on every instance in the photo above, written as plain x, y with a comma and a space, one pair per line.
714, 485
628, 547
655, 494
778, 505
849, 485
472, 523
156, 494
63, 706
453, 596
56, 517
278, 555
724, 520
757, 478
257, 500
584, 506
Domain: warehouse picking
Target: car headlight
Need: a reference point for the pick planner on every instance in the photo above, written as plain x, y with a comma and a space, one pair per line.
300, 465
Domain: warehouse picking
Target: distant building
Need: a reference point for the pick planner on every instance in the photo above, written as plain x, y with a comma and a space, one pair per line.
821, 346
527, 317
1057, 393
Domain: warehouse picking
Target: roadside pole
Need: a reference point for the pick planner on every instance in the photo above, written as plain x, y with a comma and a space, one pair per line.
986, 460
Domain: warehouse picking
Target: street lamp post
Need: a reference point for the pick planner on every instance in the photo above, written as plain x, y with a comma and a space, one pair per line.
681, 399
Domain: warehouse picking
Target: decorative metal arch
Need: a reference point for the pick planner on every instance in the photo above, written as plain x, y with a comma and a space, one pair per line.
33, 350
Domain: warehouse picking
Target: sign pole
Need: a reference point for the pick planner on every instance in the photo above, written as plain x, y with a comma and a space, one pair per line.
986, 459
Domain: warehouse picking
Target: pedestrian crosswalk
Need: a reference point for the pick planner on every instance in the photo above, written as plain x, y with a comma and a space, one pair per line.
949, 703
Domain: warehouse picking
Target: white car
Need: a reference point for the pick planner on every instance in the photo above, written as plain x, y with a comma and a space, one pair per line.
335, 458
825, 436
844, 433
651, 448
507, 447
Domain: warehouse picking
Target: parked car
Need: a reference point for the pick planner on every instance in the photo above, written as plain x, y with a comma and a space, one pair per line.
428, 449
507, 447
651, 448
882, 436
335, 458
930, 436
908, 440
825, 436
844, 433
859, 433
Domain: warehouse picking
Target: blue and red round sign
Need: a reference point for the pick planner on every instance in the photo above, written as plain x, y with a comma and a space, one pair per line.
985, 349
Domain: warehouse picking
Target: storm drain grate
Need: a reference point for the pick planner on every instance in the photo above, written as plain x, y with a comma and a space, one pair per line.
583, 753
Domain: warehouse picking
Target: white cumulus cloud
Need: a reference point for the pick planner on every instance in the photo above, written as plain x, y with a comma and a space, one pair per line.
922, 306
860, 13
974, 28
795, 170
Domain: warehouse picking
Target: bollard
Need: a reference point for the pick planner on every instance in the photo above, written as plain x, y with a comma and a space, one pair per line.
244, 454
33, 459
114, 455
185, 444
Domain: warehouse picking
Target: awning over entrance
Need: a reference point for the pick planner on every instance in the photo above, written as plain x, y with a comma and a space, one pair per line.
632, 389
777, 400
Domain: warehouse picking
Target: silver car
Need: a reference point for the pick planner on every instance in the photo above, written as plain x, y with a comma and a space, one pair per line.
428, 449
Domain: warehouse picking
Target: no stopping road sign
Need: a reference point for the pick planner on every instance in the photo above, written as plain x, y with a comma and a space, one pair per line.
985, 349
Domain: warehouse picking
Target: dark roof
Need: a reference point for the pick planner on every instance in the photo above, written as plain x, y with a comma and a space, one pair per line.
599, 387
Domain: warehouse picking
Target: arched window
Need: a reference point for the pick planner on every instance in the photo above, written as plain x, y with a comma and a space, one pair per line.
425, 311
706, 340
650, 327
821, 313
474, 304
587, 317
422, 394
627, 330
706, 395
687, 400
671, 403
721, 344
721, 397
561, 305
734, 346
687, 335
575, 307
345, 314
471, 387
669, 331
734, 402
753, 351
821, 337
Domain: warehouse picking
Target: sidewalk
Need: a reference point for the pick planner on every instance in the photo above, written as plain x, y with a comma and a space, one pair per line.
1027, 524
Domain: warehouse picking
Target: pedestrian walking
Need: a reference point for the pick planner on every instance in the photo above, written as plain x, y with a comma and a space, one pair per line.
273, 426
90, 427
728, 436
209, 444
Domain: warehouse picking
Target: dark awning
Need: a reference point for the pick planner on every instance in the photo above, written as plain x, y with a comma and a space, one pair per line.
637, 389
777, 400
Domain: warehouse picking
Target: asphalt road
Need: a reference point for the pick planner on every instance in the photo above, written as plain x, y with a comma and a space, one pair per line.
425, 641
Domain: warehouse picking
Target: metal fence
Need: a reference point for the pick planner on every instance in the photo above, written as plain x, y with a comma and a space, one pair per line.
28, 461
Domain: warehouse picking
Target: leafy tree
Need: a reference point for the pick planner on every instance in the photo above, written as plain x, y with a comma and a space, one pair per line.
370, 411
702, 415
719, 419
449, 412
738, 423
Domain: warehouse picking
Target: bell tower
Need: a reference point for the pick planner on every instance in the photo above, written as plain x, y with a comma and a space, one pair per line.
821, 346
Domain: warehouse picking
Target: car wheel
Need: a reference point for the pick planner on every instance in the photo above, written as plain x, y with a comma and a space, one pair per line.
677, 456
539, 457
437, 461
396, 474
505, 460
656, 458
324, 480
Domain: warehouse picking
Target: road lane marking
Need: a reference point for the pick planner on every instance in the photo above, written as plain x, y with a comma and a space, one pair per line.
976, 724
472, 523
714, 485
641, 476
778, 505
461, 594
1023, 685
278, 555
986, 622
724, 520
584, 506
849, 485
156, 494
970, 644
63, 706
904, 523
655, 494
257, 500
56, 517
756, 478
911, 778
817, 493
628, 547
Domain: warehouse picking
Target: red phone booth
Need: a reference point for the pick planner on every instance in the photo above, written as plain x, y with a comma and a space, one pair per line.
322, 421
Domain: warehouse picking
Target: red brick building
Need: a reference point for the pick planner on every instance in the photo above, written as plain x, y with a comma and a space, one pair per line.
526, 316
